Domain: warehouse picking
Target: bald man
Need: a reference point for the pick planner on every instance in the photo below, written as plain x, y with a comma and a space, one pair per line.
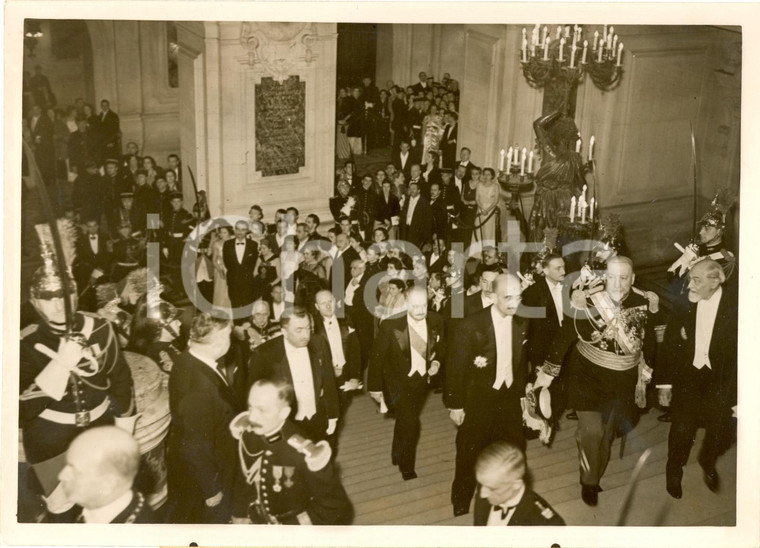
406, 353
101, 465
484, 383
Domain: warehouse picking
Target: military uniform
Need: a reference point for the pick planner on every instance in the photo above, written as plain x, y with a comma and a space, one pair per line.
99, 389
163, 353
177, 226
137, 511
275, 485
126, 258
605, 367
531, 510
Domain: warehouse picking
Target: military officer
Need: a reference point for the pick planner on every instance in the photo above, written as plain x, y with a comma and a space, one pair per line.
177, 226
283, 478
67, 383
503, 498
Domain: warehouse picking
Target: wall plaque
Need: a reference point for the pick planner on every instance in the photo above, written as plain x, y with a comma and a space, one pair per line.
280, 126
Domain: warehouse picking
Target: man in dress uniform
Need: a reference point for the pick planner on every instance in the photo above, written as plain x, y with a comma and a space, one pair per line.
406, 353
609, 365
699, 370
127, 213
128, 252
93, 261
67, 383
283, 478
485, 380
177, 227
201, 455
305, 362
260, 329
101, 465
503, 498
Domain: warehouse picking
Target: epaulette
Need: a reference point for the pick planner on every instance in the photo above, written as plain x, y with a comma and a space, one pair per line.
29, 329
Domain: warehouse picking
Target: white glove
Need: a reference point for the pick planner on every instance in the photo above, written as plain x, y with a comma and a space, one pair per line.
543, 380
664, 395
654, 302
578, 299
332, 424
457, 416
685, 261
215, 500
435, 366
351, 384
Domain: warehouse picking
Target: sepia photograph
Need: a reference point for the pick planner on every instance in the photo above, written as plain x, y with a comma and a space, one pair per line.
435, 265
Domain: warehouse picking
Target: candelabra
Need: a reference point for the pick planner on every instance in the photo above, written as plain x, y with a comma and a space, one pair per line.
516, 181
546, 60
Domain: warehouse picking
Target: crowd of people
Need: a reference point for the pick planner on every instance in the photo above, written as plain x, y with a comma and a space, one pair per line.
298, 320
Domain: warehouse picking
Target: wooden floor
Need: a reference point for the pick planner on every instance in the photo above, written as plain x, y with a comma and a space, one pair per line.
381, 497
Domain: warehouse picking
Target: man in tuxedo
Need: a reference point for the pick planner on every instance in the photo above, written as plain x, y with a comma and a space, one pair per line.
547, 297
503, 498
416, 218
440, 224
80, 147
402, 159
359, 311
485, 380
416, 176
312, 225
449, 140
44, 148
366, 206
699, 370
464, 160
304, 362
240, 255
93, 260
87, 194
201, 454
108, 131
176, 167
341, 337
345, 257
399, 130
406, 353
484, 298
422, 86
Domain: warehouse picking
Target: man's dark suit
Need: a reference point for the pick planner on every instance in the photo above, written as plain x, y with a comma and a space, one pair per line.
389, 372
351, 351
80, 148
398, 124
467, 169
108, 131
363, 319
490, 415
707, 393
270, 360
387, 208
440, 225
346, 257
531, 510
201, 455
449, 149
240, 275
44, 147
419, 231
87, 261
403, 166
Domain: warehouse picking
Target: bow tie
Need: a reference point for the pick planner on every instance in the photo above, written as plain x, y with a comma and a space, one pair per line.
93, 237
504, 510
240, 243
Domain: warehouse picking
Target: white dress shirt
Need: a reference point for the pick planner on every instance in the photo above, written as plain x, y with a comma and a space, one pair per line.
410, 212
334, 337
303, 380
555, 289
459, 184
707, 311
94, 242
503, 331
419, 364
106, 513
404, 159
494, 518
486, 301
239, 250
277, 309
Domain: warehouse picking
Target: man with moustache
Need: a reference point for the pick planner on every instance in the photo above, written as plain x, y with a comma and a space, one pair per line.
406, 353
699, 373
613, 331
485, 379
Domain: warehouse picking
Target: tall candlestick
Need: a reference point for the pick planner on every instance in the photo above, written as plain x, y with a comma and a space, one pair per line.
546, 48
591, 148
578, 145
533, 47
546, 35
525, 50
522, 161
620, 54
509, 157
615, 42
585, 51
524, 33
596, 39
530, 162
592, 202
502, 154
561, 48
583, 213
572, 209
516, 157
604, 35
572, 55
601, 51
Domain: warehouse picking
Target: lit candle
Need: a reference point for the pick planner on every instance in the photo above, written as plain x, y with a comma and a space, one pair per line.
591, 148
615, 42
583, 196
546, 35
583, 213
604, 35
559, 32
572, 209
591, 210
516, 157
524, 33
533, 47
585, 51
578, 145
502, 154
561, 48
522, 161
546, 48
601, 51
530, 162
596, 39
509, 157
620, 54
525, 50
567, 31
572, 55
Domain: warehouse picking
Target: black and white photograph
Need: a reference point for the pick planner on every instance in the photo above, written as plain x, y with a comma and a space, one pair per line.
443, 265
